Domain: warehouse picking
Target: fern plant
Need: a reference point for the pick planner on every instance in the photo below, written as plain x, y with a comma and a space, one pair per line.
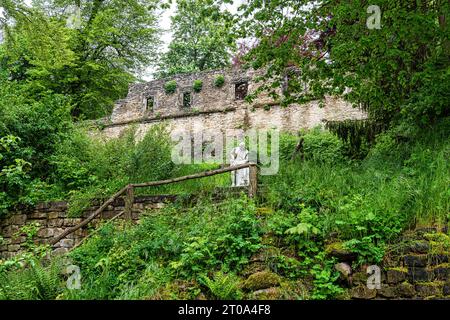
223, 286
35, 282
47, 282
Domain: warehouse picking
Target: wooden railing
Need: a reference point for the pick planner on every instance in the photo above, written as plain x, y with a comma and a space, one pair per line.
129, 191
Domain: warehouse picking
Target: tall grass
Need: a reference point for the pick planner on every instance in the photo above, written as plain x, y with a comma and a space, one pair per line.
401, 184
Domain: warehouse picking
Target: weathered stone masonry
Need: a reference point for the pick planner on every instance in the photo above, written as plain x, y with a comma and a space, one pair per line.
417, 267
53, 220
218, 107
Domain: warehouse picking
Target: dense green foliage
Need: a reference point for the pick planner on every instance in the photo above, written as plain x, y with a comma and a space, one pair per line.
320, 198
51, 74
170, 86
399, 71
92, 63
356, 187
197, 85
87, 167
219, 81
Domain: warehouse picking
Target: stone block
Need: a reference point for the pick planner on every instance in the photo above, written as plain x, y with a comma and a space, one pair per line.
273, 293
53, 215
58, 206
38, 215
42, 206
420, 274
442, 272
18, 219
66, 243
338, 251
46, 232
56, 222
18, 240
13, 247
446, 289
9, 231
362, 292
415, 260
359, 277
387, 291
109, 214
62, 214
261, 280
8, 254
70, 222
429, 289
435, 259
405, 290
60, 251
419, 246
394, 276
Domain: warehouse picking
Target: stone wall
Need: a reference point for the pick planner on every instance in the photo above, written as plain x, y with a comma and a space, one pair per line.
417, 267
53, 220
217, 107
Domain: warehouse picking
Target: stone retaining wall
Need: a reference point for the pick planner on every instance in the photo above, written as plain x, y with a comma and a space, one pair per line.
53, 220
415, 268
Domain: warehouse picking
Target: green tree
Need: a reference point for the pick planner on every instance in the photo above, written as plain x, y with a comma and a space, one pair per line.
398, 71
92, 63
203, 38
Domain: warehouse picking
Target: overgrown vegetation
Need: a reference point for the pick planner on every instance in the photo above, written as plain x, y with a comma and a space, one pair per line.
320, 199
219, 81
356, 187
170, 86
197, 85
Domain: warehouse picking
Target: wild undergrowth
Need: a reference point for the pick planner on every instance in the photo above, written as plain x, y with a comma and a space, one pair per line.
321, 197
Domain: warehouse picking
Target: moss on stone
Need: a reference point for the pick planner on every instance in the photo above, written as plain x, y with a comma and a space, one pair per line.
273, 293
264, 211
359, 277
334, 246
442, 265
431, 283
261, 280
401, 269
337, 249
405, 289
428, 289
362, 292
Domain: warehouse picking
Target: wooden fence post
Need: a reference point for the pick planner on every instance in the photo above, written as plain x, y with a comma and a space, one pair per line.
129, 200
253, 183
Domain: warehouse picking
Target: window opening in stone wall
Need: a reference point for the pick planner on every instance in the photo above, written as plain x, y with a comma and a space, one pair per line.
150, 104
240, 90
187, 100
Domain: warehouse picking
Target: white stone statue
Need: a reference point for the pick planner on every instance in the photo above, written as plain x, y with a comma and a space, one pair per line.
240, 177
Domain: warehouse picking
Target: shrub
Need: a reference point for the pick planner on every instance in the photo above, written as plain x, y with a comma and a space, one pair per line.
197, 85
87, 167
322, 146
179, 242
170, 86
219, 81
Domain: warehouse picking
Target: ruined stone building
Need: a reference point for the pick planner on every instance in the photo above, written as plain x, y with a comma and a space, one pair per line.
216, 100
